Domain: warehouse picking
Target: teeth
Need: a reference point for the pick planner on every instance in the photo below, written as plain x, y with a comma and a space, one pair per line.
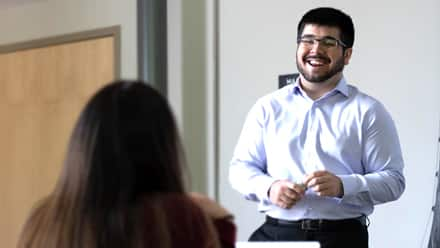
314, 62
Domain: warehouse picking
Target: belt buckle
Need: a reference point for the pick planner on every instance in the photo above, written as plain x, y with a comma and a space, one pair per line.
311, 225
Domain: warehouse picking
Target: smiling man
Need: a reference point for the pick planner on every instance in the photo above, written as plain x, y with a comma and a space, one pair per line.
317, 155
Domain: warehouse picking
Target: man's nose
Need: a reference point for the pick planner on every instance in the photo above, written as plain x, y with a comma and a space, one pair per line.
317, 46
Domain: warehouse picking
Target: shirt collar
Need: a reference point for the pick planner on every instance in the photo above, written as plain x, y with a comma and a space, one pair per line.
340, 87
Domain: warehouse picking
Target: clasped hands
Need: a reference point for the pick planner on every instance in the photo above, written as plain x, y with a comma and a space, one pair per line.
286, 194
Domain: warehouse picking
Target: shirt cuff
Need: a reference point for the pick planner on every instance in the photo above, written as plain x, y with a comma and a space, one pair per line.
263, 186
353, 184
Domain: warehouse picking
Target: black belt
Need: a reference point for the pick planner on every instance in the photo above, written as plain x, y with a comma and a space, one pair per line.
320, 224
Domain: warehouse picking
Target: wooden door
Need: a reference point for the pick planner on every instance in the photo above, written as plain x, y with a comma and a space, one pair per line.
42, 91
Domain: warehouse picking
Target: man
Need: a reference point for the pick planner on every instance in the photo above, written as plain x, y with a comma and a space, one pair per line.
318, 154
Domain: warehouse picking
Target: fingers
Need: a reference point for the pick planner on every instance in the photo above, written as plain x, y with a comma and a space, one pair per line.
325, 183
323, 189
314, 175
285, 194
287, 202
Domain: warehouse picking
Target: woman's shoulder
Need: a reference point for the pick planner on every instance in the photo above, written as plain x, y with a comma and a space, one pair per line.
176, 207
177, 217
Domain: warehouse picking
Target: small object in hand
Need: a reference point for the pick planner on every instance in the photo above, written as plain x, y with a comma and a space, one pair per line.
302, 185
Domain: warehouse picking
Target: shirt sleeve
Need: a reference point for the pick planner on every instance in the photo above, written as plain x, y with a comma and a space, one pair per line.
382, 160
248, 169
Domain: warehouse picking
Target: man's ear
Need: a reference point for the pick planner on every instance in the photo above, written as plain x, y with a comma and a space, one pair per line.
347, 55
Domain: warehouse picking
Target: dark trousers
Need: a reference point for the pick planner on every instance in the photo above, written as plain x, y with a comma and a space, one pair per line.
349, 233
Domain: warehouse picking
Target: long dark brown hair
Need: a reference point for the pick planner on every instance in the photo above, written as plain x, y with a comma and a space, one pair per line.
124, 148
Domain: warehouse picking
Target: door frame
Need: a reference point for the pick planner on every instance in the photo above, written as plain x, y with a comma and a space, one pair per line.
112, 31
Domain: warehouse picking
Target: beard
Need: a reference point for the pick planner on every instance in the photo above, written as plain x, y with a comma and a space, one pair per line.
320, 77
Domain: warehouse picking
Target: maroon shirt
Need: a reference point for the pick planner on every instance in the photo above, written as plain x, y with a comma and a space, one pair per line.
175, 218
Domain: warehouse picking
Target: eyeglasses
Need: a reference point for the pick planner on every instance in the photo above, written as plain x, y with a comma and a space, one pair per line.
326, 42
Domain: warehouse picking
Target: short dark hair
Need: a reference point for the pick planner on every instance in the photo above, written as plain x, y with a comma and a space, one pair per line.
330, 17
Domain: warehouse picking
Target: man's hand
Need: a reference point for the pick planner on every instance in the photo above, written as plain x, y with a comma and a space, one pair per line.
285, 194
325, 183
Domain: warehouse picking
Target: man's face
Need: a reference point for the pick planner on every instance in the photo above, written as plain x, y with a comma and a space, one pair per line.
319, 61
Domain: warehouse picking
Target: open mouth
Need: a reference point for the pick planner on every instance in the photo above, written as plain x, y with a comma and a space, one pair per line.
316, 61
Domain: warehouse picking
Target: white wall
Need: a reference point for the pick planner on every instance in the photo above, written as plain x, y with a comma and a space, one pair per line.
26, 20
396, 59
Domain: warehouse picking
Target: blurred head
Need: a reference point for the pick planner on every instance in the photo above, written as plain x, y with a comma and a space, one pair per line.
325, 39
124, 145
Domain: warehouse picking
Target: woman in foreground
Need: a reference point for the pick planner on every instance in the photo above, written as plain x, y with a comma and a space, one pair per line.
123, 182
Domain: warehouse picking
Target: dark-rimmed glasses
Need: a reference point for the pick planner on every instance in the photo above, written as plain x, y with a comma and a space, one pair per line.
326, 42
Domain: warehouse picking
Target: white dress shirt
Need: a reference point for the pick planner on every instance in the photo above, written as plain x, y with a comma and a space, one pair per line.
287, 135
